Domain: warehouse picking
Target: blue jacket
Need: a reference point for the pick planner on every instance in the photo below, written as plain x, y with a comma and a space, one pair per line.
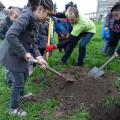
105, 34
61, 27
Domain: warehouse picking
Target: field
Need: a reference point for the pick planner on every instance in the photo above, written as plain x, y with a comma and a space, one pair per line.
56, 99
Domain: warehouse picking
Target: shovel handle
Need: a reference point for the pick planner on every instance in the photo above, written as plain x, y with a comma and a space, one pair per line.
54, 71
51, 70
103, 66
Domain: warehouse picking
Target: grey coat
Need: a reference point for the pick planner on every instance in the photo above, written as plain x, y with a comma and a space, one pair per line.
43, 34
18, 40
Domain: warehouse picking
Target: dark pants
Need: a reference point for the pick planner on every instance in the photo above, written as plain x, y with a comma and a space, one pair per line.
106, 41
8, 77
113, 42
114, 39
42, 51
17, 90
64, 47
82, 46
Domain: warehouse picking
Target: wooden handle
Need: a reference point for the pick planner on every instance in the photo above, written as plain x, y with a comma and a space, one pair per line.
107, 62
51, 69
54, 71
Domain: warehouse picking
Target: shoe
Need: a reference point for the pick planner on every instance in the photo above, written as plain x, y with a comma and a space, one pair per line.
62, 62
19, 112
27, 96
80, 64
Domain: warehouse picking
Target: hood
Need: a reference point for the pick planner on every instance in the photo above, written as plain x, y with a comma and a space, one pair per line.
28, 11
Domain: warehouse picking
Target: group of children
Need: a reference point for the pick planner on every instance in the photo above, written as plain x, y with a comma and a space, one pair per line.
82, 27
25, 35
111, 30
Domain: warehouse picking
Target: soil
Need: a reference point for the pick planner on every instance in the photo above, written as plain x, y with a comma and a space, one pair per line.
84, 90
112, 113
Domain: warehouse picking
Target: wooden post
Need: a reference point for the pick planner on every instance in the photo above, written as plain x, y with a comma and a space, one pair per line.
49, 37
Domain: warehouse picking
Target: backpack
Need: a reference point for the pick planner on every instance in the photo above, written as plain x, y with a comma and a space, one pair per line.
62, 27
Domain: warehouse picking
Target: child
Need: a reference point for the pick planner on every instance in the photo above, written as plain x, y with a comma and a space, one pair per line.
41, 42
43, 36
63, 28
13, 14
5, 25
114, 30
105, 37
82, 28
14, 50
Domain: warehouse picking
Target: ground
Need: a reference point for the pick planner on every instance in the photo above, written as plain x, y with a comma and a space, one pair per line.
85, 99
85, 90
112, 113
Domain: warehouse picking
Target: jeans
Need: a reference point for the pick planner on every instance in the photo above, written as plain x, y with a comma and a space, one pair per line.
82, 46
8, 77
105, 46
17, 90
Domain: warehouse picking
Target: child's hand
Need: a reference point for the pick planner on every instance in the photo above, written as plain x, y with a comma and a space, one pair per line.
51, 48
68, 35
43, 64
28, 57
116, 54
106, 28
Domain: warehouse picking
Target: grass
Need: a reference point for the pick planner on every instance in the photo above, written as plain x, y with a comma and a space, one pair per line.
93, 58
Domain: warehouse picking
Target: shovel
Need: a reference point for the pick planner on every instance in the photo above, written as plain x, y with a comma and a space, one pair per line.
66, 77
98, 72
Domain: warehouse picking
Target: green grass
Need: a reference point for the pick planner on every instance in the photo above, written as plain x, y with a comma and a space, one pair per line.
93, 58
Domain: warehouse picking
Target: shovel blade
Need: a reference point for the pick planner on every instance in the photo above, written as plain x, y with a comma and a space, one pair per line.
96, 72
99, 74
68, 78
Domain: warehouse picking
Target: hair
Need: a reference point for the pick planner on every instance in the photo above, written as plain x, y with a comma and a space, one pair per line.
47, 4
70, 4
14, 10
116, 7
73, 11
67, 6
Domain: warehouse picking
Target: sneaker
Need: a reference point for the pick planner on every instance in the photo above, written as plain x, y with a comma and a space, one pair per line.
19, 112
62, 62
27, 96
80, 64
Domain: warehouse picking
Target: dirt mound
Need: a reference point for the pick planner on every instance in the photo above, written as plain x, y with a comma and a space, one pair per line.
85, 89
106, 114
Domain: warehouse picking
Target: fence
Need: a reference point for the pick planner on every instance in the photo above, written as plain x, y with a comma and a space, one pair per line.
97, 16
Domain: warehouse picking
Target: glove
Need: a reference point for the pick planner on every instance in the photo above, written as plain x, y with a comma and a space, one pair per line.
51, 48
